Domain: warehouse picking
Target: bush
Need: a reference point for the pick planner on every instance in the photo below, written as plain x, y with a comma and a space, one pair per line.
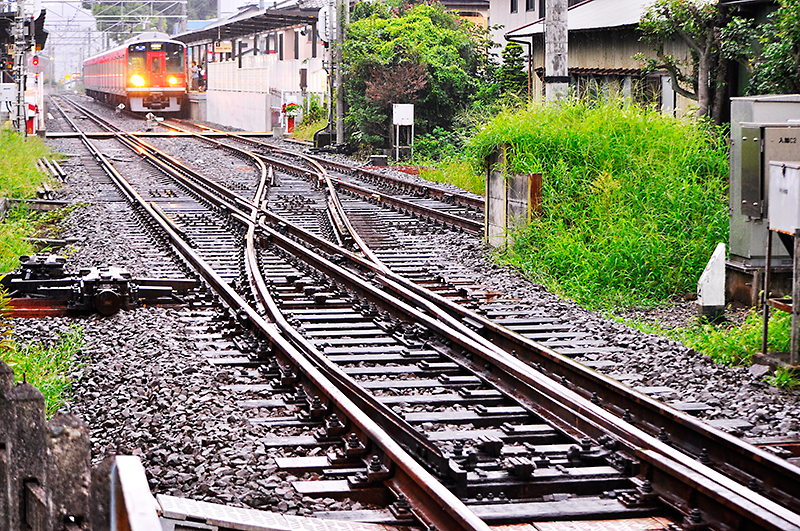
634, 202
316, 111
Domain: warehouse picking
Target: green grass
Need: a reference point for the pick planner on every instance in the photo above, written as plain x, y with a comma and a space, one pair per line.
634, 202
784, 378
45, 366
22, 223
306, 130
458, 172
735, 344
19, 176
13, 233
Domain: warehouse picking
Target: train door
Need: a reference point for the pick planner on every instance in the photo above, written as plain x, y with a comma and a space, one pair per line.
156, 65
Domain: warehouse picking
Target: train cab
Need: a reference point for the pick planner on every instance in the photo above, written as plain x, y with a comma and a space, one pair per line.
156, 76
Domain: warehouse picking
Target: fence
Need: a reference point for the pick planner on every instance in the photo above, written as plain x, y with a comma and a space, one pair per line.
46, 479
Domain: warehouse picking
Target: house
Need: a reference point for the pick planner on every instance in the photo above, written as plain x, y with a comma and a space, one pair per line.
603, 43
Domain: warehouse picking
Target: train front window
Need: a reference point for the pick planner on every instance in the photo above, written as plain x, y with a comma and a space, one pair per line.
136, 62
155, 66
174, 61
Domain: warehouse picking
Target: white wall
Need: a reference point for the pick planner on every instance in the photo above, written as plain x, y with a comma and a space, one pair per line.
249, 111
261, 73
250, 97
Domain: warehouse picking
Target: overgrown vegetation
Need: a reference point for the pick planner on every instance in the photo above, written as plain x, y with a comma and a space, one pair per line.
456, 171
634, 202
47, 366
421, 54
19, 177
306, 130
735, 344
785, 378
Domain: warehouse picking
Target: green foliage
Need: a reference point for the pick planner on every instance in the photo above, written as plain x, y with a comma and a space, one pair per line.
784, 378
19, 176
315, 110
202, 9
735, 344
511, 74
458, 172
437, 145
306, 130
697, 23
419, 54
634, 202
47, 366
14, 231
777, 69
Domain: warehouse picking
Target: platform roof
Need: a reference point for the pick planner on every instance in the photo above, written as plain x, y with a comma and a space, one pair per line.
592, 15
249, 23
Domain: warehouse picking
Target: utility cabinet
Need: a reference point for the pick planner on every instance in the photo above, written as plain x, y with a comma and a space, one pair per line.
757, 145
763, 129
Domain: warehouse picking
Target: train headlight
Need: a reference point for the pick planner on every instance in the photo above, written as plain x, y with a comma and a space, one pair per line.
137, 80
173, 80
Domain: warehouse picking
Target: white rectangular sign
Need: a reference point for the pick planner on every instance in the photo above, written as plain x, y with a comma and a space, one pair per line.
403, 114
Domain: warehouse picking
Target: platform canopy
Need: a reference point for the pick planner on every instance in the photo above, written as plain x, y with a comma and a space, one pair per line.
250, 22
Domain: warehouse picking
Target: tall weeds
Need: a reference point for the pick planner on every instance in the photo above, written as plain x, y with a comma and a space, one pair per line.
633, 201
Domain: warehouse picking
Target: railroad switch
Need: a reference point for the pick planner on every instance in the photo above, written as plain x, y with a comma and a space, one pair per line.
41, 278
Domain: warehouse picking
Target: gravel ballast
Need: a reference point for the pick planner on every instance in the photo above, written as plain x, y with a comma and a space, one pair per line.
145, 388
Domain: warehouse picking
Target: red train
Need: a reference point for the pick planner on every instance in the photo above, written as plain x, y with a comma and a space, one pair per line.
146, 73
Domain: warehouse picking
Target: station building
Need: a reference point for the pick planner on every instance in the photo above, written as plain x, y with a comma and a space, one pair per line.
255, 62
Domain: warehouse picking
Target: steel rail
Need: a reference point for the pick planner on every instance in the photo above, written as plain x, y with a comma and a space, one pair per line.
433, 502
446, 218
711, 484
751, 466
399, 285
575, 414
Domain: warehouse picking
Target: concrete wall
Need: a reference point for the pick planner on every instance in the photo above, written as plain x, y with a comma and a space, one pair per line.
249, 111
251, 97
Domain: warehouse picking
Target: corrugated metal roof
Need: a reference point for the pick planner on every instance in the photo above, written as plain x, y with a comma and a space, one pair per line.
593, 15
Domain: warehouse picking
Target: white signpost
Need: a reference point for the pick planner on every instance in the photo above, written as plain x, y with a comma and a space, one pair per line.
403, 116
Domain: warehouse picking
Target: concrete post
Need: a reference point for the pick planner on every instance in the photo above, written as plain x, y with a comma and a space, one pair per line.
556, 61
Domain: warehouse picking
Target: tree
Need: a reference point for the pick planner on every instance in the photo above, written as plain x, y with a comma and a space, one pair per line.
776, 69
698, 24
511, 74
419, 54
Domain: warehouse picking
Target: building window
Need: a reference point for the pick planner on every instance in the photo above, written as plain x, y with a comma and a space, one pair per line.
280, 46
541, 9
530, 5
297, 44
514, 6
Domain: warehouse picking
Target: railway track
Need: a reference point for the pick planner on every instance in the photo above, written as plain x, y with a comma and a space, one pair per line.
415, 395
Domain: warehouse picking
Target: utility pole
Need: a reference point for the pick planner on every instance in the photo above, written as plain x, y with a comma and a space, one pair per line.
19, 69
556, 63
342, 19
